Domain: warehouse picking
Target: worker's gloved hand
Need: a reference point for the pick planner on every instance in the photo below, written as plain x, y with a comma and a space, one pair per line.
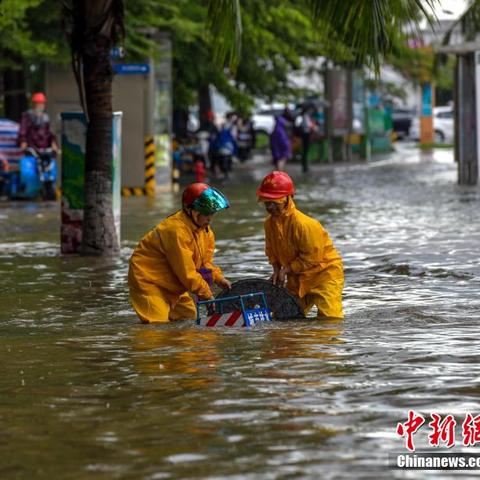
282, 276
211, 307
224, 283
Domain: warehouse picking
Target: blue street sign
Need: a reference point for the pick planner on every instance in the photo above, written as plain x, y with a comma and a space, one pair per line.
131, 68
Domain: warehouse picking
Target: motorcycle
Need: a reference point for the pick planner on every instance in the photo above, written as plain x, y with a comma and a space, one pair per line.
36, 175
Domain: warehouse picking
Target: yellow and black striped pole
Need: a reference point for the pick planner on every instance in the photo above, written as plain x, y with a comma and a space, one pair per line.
133, 192
149, 186
149, 166
175, 179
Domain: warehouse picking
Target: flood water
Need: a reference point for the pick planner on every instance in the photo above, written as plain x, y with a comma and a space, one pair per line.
86, 392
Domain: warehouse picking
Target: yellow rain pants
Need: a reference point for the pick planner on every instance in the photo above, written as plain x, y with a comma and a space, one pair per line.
299, 241
163, 308
164, 269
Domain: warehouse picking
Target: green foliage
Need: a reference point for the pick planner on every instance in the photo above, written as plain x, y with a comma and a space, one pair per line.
370, 27
416, 64
276, 35
444, 74
223, 18
29, 31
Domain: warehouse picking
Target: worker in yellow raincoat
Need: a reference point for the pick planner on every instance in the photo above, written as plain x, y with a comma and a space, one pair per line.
175, 259
300, 250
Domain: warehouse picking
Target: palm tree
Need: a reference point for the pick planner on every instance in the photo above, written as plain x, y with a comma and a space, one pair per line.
93, 28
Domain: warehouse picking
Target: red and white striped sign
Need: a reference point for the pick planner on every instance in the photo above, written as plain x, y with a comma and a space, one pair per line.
233, 319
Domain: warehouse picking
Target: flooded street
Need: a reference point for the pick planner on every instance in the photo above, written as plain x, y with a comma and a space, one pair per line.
87, 392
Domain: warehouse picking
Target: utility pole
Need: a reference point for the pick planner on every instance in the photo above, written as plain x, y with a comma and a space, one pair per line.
467, 109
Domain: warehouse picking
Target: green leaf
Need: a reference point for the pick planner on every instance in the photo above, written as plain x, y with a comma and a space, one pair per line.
370, 27
225, 23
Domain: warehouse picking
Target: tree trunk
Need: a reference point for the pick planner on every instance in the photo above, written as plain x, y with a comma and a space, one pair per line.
204, 105
15, 100
99, 234
180, 121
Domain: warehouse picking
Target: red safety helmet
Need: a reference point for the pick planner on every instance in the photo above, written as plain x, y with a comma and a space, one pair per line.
276, 185
39, 97
192, 192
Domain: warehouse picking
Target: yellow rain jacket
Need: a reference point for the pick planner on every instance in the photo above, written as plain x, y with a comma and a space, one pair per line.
163, 269
299, 241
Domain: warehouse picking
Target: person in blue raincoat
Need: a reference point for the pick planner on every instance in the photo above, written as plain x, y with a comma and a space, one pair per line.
224, 148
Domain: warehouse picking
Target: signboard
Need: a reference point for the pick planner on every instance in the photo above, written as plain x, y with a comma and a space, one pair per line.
426, 100
426, 119
131, 68
338, 97
358, 104
376, 121
74, 133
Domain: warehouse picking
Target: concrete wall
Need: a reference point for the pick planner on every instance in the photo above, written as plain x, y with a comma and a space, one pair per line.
131, 96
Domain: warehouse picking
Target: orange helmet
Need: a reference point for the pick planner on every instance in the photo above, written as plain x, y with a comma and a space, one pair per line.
276, 185
39, 97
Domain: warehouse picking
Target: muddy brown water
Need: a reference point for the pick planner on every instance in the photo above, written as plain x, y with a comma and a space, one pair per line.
88, 393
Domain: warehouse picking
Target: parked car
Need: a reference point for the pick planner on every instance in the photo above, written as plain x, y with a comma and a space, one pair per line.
443, 125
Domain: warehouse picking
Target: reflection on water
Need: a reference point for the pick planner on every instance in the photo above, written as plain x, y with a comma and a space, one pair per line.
188, 357
87, 392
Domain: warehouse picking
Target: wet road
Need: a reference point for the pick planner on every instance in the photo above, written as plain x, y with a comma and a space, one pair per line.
86, 392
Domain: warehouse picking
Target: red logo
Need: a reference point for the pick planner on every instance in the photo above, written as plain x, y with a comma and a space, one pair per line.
471, 430
442, 430
410, 427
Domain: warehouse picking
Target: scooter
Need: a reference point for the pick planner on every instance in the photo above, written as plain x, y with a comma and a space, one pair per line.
36, 175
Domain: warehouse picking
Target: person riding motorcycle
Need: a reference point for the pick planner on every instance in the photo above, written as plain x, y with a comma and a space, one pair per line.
34, 129
36, 138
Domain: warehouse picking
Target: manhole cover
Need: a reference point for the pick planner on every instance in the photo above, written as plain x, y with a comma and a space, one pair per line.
283, 305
